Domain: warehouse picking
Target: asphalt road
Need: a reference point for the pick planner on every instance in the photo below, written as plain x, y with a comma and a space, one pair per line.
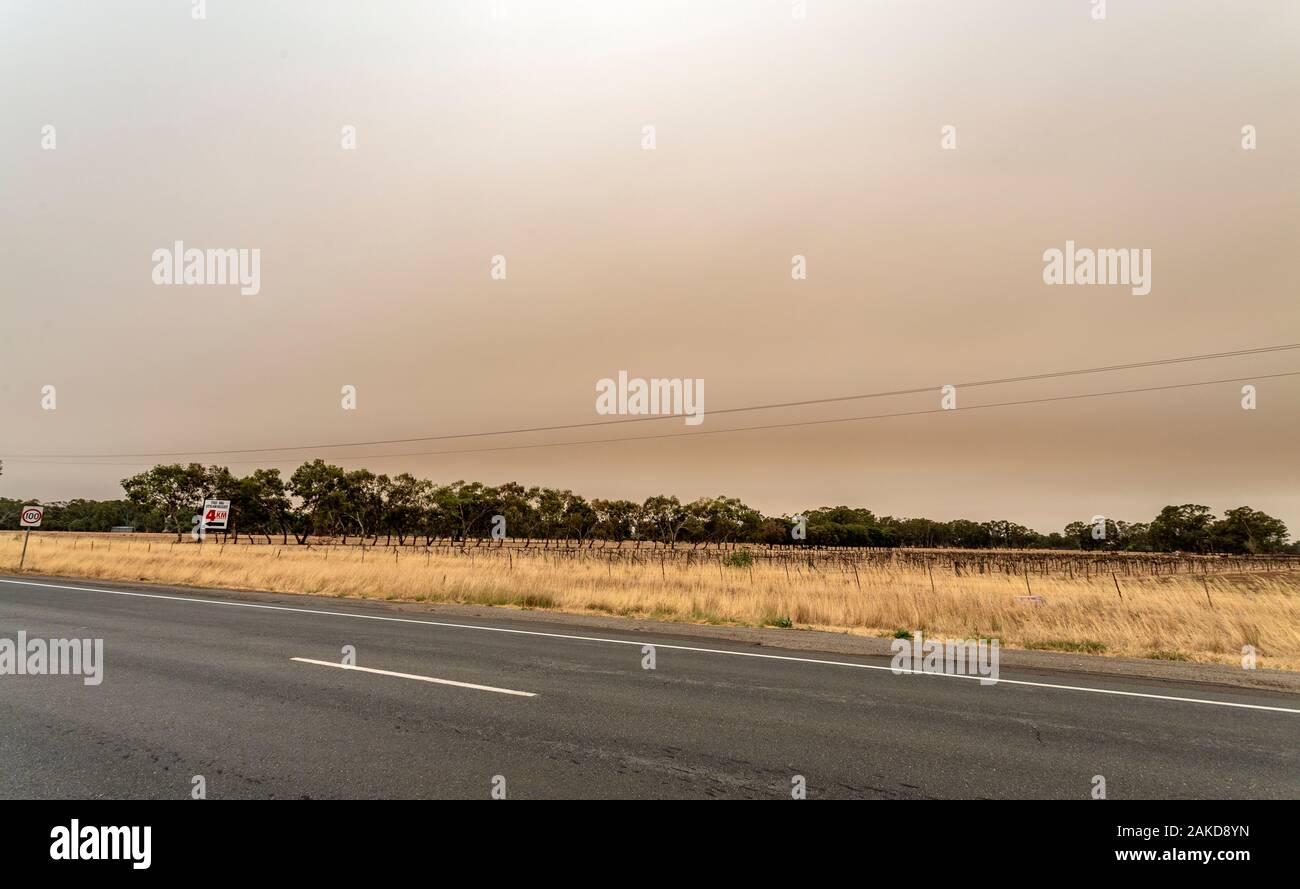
205, 684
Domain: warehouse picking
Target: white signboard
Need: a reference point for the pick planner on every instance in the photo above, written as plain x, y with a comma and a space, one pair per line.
32, 516
216, 513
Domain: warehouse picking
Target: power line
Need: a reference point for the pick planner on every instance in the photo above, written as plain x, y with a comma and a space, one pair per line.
734, 410
591, 441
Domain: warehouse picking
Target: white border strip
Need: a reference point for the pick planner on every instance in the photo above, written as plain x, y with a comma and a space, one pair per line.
504, 691
723, 651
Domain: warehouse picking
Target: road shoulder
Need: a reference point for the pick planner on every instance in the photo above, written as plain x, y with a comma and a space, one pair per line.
796, 640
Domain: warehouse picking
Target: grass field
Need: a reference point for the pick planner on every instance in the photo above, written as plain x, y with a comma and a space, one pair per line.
1179, 615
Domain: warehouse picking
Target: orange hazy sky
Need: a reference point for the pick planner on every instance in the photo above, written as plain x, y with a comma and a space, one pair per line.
516, 129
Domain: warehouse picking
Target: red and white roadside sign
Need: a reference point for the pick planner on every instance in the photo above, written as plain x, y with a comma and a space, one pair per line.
216, 514
30, 518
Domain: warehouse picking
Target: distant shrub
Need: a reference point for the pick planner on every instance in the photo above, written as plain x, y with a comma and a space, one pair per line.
741, 558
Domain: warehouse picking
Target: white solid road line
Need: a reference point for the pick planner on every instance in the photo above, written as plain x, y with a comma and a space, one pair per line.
503, 691
722, 651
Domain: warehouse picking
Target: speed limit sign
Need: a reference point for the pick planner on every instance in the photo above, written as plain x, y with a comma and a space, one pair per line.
30, 518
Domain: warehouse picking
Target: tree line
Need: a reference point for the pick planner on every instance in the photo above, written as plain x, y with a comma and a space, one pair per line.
323, 500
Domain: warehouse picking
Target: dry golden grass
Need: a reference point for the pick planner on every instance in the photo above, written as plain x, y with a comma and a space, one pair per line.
1165, 616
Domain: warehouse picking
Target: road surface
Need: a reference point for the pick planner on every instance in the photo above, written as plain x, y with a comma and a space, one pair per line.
247, 692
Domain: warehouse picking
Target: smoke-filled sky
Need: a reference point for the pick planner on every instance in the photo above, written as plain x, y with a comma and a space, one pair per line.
517, 129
